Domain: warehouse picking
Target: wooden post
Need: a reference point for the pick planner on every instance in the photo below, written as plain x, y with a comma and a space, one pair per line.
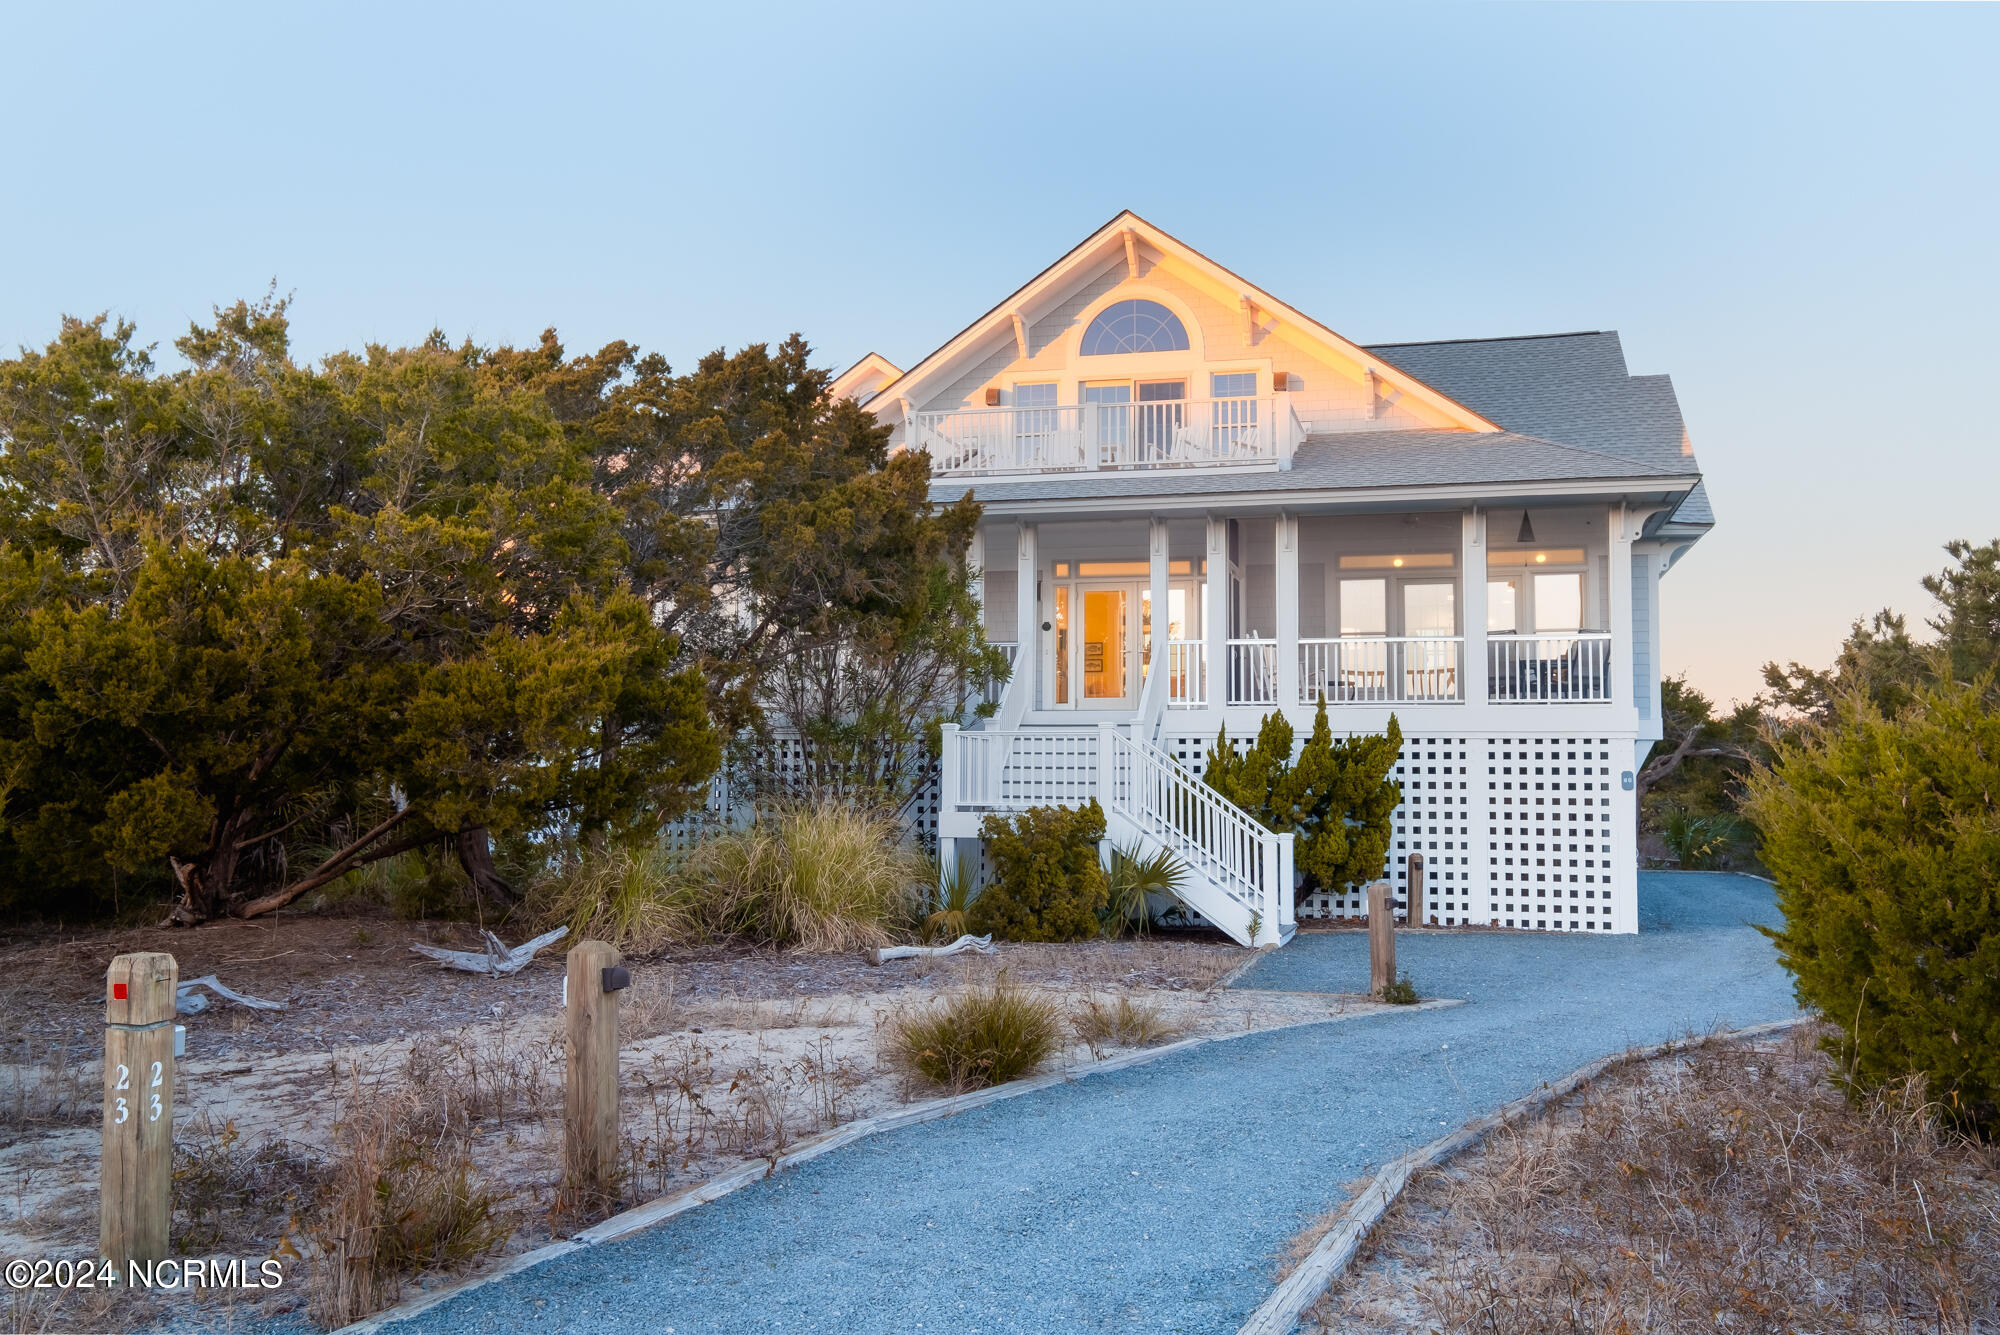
1416, 896
590, 1079
1381, 938
135, 1190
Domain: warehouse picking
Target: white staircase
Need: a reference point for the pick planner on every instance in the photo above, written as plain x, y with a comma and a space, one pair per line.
1238, 874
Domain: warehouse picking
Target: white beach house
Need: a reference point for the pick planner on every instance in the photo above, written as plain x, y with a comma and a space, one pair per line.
1201, 505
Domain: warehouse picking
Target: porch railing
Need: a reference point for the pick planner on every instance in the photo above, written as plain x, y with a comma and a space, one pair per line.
1253, 672
1072, 436
1574, 666
1186, 675
1382, 669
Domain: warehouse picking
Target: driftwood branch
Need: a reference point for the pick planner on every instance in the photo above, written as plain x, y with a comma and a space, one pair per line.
190, 1002
497, 959
983, 944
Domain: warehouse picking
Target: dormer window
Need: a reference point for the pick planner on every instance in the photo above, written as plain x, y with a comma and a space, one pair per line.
1134, 326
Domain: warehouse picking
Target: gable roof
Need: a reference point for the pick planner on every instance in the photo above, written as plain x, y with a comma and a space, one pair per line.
1038, 291
863, 380
1573, 388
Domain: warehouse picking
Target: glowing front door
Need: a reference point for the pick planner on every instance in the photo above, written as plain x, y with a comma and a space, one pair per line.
1105, 670
1094, 650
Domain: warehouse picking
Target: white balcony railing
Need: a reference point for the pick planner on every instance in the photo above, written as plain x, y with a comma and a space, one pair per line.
1073, 436
1186, 675
1253, 672
1382, 669
1537, 669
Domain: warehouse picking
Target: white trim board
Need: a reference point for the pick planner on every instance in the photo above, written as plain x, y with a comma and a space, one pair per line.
666, 1207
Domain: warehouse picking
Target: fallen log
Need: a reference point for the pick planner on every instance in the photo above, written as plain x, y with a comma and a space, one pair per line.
883, 954
498, 959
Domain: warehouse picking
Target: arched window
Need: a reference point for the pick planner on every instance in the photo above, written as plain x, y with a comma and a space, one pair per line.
1134, 326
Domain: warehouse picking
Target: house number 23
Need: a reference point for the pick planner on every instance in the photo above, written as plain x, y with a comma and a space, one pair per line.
120, 1109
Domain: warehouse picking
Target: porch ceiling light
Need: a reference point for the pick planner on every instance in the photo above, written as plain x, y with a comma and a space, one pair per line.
1527, 529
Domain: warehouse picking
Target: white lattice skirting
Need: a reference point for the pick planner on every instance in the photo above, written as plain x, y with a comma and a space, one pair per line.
1516, 831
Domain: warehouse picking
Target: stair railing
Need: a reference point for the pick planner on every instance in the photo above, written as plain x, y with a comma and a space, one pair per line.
1220, 842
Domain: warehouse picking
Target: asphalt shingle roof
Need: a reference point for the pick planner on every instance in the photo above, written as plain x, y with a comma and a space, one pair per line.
1572, 388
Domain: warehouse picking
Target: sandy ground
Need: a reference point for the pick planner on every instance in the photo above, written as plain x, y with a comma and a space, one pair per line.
728, 1055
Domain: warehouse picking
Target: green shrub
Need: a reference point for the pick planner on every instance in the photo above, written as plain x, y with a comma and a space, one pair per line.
1336, 795
628, 897
1402, 992
1883, 834
1048, 884
985, 1036
820, 877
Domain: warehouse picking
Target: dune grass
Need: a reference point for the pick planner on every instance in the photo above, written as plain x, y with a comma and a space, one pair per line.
978, 1037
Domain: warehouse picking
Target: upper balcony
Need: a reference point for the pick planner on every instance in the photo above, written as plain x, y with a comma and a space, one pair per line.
1249, 432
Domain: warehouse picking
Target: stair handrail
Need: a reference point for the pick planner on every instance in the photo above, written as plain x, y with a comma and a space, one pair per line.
1152, 713
1250, 878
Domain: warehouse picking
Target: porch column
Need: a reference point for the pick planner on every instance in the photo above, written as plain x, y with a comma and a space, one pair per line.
1620, 529
1215, 615
1472, 602
975, 562
1156, 579
1286, 541
1027, 626
1475, 865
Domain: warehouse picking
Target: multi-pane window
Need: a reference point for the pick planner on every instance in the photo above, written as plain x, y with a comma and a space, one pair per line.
1134, 326
1233, 385
1035, 396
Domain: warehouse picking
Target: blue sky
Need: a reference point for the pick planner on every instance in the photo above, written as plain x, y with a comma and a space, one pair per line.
1790, 209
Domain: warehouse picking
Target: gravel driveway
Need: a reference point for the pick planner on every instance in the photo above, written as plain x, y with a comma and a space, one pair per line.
1155, 1199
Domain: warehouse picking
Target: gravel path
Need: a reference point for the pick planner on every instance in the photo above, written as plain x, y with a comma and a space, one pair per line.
1156, 1199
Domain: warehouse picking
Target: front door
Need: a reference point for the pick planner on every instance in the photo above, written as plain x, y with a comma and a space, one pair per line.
1095, 646
1105, 645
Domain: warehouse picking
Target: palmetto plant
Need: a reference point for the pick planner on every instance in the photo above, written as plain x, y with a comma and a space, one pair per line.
1134, 876
950, 901
1696, 842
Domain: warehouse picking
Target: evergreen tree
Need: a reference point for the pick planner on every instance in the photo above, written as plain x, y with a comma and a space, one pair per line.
1336, 795
262, 608
1883, 834
804, 567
